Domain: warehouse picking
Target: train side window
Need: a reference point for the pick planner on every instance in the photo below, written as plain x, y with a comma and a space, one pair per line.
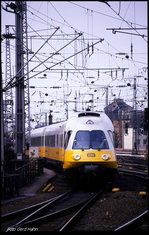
62, 137
60, 140
67, 139
42, 140
47, 141
57, 141
52, 141
32, 141
36, 141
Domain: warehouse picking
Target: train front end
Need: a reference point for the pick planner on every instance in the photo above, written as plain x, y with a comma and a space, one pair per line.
89, 143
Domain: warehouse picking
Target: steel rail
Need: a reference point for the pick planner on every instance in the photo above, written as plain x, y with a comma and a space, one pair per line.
60, 212
25, 210
134, 165
52, 215
70, 223
42, 208
139, 174
132, 223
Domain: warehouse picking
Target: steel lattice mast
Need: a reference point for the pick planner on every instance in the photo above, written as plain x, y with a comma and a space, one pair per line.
26, 71
22, 97
8, 107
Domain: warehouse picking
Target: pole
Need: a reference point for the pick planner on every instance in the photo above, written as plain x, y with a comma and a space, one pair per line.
135, 151
2, 135
107, 96
19, 108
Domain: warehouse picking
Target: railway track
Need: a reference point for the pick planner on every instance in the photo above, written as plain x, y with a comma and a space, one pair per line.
133, 165
141, 175
76, 216
135, 223
133, 161
30, 212
60, 213
74, 202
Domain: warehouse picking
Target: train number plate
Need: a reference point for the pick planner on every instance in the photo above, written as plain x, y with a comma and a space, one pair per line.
91, 155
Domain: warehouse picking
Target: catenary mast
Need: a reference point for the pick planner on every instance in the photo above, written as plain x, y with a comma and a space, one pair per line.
20, 97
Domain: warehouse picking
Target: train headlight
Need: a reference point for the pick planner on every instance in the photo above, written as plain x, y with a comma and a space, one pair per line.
77, 157
105, 157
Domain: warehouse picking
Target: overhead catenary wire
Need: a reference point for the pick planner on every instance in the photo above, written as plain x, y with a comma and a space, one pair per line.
59, 14
112, 55
129, 23
10, 85
71, 26
125, 21
15, 83
65, 34
31, 58
74, 66
76, 31
135, 34
101, 13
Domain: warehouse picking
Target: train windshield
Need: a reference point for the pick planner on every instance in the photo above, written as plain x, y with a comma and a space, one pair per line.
90, 140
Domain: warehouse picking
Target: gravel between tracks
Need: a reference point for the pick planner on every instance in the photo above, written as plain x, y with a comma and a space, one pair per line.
110, 212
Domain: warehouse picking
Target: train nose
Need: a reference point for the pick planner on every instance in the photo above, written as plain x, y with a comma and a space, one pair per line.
90, 168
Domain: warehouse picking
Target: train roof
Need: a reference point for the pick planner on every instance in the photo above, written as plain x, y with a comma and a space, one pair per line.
99, 119
37, 131
80, 119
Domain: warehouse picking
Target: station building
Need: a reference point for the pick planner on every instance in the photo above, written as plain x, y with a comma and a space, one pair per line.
129, 125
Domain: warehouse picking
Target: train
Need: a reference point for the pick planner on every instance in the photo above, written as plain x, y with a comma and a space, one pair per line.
83, 143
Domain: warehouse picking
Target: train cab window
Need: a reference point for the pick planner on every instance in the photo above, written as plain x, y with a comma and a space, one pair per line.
90, 140
111, 136
67, 137
98, 140
82, 140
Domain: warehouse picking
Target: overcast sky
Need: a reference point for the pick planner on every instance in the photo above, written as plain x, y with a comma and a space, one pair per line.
125, 52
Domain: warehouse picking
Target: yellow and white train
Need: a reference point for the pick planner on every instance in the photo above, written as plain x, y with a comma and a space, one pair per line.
85, 141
